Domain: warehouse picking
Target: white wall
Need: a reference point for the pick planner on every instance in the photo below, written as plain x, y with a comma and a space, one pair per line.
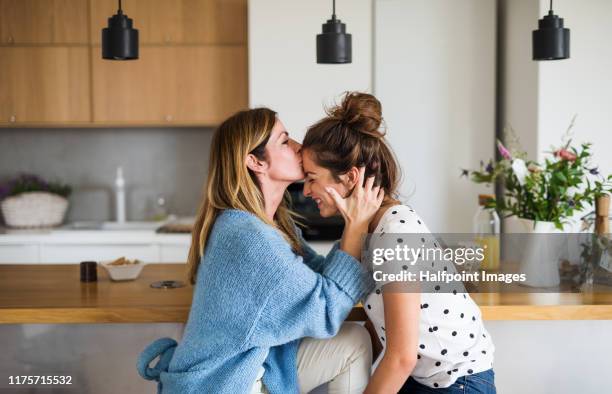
283, 73
552, 357
435, 76
542, 97
580, 85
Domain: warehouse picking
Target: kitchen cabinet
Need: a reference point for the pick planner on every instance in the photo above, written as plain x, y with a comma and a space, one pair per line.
43, 22
179, 21
192, 69
178, 84
173, 253
19, 253
74, 253
44, 85
74, 246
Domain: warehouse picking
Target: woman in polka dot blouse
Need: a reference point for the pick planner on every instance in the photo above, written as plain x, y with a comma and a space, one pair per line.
434, 340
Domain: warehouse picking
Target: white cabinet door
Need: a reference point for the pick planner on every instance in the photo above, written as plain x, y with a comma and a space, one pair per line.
75, 253
19, 253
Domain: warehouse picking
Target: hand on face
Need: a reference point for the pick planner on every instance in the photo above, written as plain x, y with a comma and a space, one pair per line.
319, 180
363, 202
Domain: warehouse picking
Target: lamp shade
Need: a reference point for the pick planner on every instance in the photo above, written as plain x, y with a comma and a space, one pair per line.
551, 41
334, 45
119, 39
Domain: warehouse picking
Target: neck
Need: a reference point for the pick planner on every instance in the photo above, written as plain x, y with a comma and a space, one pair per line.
273, 193
387, 203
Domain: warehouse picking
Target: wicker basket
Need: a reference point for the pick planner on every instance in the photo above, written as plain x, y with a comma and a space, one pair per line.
34, 209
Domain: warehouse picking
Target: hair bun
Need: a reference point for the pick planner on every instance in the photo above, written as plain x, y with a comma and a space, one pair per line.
361, 112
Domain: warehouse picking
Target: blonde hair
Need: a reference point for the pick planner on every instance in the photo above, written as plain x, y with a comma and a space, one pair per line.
231, 185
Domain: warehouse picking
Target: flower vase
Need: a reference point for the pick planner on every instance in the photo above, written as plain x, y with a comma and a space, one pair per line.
541, 252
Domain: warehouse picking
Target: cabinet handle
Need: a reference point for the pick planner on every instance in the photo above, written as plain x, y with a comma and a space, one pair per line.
169, 118
11, 40
13, 119
168, 38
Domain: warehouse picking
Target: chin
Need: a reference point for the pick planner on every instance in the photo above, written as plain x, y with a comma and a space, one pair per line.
327, 212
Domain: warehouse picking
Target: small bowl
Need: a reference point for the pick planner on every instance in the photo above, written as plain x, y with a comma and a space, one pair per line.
124, 271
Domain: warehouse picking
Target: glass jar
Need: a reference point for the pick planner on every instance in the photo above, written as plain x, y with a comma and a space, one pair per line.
486, 228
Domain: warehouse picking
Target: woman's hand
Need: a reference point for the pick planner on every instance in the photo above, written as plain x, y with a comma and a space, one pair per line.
357, 209
363, 202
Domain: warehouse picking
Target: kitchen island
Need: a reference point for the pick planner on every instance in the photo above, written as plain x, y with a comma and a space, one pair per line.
52, 293
51, 323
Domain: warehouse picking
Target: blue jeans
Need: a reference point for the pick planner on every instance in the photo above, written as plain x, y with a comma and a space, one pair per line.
478, 383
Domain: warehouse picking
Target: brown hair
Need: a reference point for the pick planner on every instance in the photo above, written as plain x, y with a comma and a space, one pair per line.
350, 136
231, 185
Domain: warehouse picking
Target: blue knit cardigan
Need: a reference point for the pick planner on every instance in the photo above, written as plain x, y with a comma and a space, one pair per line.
254, 299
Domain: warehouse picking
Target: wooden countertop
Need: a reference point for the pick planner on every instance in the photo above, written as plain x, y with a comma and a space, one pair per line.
45, 293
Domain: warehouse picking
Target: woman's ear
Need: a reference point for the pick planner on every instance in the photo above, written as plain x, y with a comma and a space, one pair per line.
351, 178
256, 165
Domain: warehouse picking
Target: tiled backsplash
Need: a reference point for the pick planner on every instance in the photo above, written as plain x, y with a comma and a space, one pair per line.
168, 161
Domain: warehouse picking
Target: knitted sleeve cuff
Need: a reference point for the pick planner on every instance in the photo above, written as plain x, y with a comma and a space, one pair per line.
348, 273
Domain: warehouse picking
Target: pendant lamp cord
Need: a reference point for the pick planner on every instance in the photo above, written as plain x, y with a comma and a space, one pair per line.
550, 12
333, 9
120, 11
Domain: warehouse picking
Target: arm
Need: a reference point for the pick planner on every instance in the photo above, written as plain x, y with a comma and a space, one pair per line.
312, 259
402, 329
304, 303
351, 243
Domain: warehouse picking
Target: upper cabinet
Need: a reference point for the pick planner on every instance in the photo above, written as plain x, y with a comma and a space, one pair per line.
178, 21
44, 85
171, 85
43, 22
192, 68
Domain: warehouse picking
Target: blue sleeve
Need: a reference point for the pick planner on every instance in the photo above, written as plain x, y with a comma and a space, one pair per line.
312, 259
309, 304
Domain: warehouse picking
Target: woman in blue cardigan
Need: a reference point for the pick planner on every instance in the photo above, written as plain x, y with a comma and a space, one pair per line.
259, 289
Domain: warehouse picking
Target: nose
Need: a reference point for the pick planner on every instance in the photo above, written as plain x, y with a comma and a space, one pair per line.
306, 189
296, 146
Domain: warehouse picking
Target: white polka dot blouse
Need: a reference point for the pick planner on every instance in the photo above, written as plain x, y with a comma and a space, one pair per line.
453, 341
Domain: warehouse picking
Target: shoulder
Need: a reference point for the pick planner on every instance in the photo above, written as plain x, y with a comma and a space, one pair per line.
402, 219
240, 230
239, 223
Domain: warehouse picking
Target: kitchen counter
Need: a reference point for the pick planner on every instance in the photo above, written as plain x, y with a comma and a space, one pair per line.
62, 236
66, 245
52, 293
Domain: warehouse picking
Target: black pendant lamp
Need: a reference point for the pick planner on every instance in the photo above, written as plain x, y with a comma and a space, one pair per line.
551, 41
119, 39
334, 45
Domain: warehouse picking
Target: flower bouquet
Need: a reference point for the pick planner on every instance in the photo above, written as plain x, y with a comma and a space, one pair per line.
553, 191
542, 198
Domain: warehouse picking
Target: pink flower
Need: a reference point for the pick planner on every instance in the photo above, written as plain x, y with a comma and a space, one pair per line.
503, 151
564, 154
